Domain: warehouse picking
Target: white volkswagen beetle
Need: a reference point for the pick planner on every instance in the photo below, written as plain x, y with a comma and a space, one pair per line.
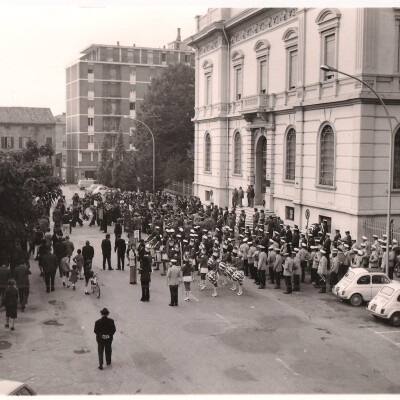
386, 304
360, 284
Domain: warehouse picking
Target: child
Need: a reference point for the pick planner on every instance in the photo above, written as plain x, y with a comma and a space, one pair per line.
88, 273
78, 260
65, 269
10, 302
74, 276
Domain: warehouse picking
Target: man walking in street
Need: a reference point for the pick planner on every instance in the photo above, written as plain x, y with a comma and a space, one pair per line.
49, 265
104, 329
87, 252
120, 249
21, 275
106, 250
174, 276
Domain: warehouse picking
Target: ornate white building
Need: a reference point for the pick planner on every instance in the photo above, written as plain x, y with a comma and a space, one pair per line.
266, 114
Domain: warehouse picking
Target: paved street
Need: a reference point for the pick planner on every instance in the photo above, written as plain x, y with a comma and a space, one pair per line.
262, 342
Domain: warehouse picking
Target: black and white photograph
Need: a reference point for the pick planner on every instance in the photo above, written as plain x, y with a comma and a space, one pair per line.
199, 198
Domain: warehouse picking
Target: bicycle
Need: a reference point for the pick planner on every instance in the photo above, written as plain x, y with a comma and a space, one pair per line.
94, 283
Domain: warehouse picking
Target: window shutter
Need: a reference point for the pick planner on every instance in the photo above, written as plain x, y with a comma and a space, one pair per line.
20, 142
3, 143
12, 142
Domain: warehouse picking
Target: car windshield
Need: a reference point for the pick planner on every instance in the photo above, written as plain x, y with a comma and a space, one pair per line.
349, 275
387, 290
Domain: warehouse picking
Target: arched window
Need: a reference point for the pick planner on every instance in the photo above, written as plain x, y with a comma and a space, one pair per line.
291, 155
207, 153
327, 156
396, 161
237, 154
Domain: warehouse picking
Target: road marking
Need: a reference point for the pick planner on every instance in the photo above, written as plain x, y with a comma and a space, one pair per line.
384, 337
223, 318
287, 366
388, 332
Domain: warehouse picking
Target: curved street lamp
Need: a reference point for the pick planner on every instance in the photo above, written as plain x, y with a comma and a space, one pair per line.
327, 68
154, 149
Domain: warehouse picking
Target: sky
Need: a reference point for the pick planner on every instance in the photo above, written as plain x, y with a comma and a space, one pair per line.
38, 41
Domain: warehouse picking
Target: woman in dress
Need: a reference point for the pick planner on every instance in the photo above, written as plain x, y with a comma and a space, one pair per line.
187, 275
10, 302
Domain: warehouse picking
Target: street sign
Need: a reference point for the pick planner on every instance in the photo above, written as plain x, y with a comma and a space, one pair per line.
307, 213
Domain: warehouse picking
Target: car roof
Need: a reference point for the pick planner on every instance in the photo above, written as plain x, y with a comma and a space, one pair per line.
7, 386
394, 284
364, 270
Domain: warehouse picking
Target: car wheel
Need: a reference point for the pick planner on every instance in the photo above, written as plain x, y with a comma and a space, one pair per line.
356, 300
395, 319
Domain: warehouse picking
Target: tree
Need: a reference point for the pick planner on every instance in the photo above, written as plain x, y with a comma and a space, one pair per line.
27, 186
168, 109
104, 157
119, 175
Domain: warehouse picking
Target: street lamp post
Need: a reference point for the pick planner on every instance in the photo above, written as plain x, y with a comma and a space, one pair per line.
390, 180
154, 150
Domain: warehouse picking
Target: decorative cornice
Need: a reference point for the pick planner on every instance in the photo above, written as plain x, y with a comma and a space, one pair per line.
265, 24
211, 45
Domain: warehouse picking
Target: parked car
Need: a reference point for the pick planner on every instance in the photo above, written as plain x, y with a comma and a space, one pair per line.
360, 284
85, 183
92, 187
14, 388
100, 189
386, 304
111, 191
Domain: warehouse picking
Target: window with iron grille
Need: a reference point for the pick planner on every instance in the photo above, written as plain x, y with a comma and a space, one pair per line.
327, 156
289, 213
238, 153
396, 161
291, 155
207, 153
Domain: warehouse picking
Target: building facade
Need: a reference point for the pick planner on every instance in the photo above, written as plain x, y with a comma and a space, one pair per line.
267, 115
106, 84
61, 147
18, 125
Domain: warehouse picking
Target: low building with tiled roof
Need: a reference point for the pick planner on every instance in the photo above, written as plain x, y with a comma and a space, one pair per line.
18, 125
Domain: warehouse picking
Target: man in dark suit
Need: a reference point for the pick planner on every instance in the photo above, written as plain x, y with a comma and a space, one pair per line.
49, 264
145, 275
21, 275
120, 249
87, 252
106, 250
104, 329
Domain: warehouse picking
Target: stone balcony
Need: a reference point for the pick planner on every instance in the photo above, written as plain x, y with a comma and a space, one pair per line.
256, 105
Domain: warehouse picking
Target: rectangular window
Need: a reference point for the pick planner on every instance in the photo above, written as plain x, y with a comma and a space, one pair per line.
263, 76
7, 142
163, 57
64, 145
289, 213
328, 222
238, 83
23, 141
130, 56
64, 158
150, 57
208, 195
329, 55
113, 140
49, 140
132, 106
90, 70
208, 89
292, 69
90, 121
91, 138
187, 58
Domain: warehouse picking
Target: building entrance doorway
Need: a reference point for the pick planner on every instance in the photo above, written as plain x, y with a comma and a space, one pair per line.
260, 170
90, 174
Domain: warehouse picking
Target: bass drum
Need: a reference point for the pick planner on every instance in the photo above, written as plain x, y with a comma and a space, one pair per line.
213, 277
230, 271
238, 276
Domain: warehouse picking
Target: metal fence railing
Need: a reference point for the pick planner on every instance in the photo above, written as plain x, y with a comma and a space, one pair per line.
180, 188
372, 227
